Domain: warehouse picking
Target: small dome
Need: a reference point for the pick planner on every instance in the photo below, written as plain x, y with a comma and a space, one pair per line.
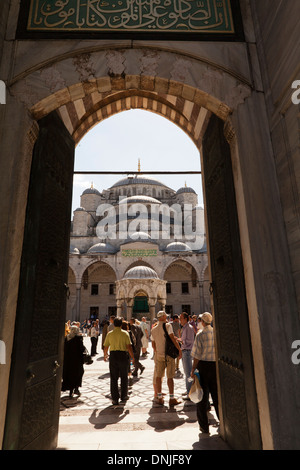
91, 191
140, 272
186, 190
74, 251
178, 246
101, 248
141, 199
80, 209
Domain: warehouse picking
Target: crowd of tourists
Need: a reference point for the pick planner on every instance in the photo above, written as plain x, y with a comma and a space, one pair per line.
190, 339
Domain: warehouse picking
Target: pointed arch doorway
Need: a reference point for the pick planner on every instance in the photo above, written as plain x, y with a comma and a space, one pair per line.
243, 432
140, 305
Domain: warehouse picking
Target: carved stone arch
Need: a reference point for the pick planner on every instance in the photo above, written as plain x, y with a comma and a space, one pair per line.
180, 259
84, 104
83, 276
94, 267
141, 292
139, 286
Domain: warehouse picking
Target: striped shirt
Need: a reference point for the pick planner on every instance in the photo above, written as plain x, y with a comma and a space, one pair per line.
203, 347
187, 336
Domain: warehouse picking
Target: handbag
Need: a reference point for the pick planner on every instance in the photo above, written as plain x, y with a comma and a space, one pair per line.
171, 349
87, 359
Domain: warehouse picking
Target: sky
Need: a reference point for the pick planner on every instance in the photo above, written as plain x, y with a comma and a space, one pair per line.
117, 144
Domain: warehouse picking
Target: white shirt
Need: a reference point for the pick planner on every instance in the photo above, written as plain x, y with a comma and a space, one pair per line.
94, 332
158, 336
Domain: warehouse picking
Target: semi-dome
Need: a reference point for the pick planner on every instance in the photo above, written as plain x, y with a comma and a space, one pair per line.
186, 189
141, 272
140, 236
101, 248
140, 199
178, 246
137, 180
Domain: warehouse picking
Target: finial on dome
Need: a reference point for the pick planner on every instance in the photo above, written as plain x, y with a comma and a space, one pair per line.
139, 165
92, 185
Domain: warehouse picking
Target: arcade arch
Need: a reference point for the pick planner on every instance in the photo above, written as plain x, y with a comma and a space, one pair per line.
92, 296
182, 288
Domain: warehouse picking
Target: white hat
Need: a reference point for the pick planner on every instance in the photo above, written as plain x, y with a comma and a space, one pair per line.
161, 314
206, 317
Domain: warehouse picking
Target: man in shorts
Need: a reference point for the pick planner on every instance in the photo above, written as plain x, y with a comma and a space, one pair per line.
163, 362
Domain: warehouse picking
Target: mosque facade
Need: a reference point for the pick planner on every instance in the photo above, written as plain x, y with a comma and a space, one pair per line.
135, 248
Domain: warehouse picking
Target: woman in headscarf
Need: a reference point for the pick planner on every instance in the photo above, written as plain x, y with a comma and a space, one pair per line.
73, 361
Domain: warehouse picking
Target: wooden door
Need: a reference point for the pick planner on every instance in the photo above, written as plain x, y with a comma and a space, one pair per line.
35, 381
235, 365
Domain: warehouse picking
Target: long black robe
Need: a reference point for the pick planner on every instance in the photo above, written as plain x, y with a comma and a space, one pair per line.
73, 363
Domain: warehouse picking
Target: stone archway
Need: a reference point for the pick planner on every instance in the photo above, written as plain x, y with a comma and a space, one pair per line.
82, 105
86, 84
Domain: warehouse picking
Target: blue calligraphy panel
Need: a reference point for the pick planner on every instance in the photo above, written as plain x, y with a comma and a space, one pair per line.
180, 16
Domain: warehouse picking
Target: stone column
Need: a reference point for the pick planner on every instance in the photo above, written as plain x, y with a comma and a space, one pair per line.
77, 303
119, 307
152, 303
129, 309
162, 303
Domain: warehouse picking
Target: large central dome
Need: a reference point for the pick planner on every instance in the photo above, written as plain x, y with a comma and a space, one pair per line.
137, 180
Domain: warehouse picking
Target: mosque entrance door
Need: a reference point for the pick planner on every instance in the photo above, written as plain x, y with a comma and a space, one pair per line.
35, 380
234, 362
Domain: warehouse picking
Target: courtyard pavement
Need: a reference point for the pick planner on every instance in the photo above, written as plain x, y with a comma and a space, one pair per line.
91, 422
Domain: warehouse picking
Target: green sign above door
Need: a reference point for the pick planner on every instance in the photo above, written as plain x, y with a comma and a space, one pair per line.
132, 16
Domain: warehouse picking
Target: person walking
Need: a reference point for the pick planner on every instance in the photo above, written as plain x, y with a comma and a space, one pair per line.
73, 362
187, 341
203, 353
145, 338
111, 323
104, 333
138, 334
125, 327
119, 343
176, 330
162, 361
94, 339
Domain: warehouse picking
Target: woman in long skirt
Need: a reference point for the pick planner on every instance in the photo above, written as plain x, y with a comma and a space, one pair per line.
73, 361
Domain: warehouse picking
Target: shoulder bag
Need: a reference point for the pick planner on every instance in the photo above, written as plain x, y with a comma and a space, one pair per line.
171, 349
